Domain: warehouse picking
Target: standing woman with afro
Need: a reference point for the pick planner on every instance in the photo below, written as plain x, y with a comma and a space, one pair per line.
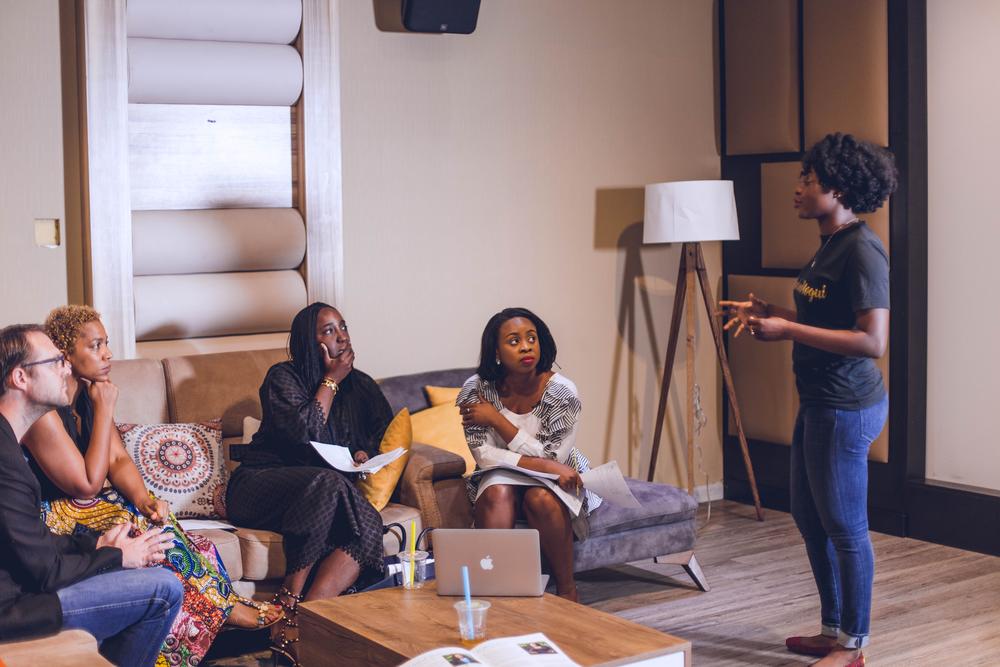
840, 325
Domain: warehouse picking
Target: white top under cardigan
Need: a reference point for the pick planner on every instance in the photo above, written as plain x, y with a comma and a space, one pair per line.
548, 431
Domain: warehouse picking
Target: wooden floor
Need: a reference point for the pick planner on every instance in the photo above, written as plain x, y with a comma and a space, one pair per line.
932, 605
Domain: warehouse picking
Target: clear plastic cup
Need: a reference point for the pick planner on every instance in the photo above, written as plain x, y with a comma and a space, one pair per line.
419, 565
472, 621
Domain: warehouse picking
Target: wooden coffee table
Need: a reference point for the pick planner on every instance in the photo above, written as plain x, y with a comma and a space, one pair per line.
392, 625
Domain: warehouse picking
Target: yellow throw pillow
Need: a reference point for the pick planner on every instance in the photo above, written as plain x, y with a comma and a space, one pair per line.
378, 487
441, 426
441, 395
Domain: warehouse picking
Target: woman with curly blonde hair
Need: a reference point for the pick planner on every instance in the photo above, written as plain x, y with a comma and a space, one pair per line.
74, 450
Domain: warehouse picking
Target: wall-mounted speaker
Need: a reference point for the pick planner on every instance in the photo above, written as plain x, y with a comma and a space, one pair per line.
456, 16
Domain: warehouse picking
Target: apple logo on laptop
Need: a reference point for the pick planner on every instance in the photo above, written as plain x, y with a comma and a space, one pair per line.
486, 563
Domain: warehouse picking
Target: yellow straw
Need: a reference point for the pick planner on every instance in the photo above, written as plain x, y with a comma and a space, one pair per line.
413, 548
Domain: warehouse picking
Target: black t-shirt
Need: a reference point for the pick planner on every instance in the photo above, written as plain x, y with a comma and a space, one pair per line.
850, 273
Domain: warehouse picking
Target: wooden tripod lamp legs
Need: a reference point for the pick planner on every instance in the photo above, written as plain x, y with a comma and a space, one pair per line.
692, 264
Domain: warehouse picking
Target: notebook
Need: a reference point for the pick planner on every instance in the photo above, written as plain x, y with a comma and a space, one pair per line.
501, 562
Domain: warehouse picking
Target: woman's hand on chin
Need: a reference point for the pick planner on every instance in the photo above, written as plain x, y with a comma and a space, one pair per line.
339, 367
103, 394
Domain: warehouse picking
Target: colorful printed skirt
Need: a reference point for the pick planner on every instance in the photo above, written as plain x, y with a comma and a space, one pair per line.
208, 594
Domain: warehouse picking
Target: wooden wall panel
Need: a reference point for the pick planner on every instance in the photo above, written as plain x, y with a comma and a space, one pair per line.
762, 76
194, 157
846, 69
762, 372
788, 242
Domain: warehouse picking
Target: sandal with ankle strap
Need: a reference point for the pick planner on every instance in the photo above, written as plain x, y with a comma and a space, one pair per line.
283, 646
263, 609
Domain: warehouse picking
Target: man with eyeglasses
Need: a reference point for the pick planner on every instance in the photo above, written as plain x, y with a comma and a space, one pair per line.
51, 582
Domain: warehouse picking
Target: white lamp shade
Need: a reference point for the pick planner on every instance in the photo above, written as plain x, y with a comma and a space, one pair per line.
690, 211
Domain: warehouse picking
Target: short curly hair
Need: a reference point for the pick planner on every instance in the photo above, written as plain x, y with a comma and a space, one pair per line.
63, 324
864, 174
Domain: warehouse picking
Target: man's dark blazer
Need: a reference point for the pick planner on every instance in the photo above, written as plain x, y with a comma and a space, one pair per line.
34, 563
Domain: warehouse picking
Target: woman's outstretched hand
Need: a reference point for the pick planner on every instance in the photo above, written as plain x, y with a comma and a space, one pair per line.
740, 313
339, 367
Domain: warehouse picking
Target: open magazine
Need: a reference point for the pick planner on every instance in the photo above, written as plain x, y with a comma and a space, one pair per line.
535, 650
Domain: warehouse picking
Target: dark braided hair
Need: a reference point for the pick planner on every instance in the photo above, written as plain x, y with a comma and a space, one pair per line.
489, 369
863, 173
302, 346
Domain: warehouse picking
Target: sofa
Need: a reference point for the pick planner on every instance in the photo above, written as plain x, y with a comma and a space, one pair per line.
430, 492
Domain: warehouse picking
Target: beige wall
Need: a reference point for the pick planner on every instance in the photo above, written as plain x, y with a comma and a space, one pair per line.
502, 169
31, 167
963, 235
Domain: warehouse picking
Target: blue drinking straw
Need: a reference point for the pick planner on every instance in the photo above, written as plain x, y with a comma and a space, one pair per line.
468, 596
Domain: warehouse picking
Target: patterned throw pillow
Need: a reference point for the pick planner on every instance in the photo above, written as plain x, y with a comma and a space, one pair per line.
182, 464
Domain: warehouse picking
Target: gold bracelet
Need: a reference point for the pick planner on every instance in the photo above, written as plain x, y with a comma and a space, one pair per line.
330, 384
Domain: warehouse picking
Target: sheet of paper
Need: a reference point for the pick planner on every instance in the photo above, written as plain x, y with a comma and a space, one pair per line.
511, 475
204, 524
340, 458
529, 473
608, 482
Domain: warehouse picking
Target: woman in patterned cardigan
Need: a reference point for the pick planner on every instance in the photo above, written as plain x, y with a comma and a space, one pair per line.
518, 412
74, 450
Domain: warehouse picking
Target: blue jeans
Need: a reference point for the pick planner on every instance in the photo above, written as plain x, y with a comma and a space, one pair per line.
129, 612
829, 489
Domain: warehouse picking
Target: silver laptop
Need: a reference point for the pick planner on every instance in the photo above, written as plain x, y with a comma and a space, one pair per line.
501, 562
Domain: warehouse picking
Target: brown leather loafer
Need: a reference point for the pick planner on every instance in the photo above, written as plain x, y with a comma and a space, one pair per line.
799, 645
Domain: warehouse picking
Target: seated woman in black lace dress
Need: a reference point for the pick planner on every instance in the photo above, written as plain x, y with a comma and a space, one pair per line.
332, 534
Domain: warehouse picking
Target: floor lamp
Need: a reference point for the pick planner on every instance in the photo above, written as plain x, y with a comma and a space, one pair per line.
690, 212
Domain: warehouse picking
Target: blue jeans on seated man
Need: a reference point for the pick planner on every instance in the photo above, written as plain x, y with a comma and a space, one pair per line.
129, 612
829, 493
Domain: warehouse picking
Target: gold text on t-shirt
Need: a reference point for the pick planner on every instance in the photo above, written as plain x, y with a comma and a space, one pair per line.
810, 292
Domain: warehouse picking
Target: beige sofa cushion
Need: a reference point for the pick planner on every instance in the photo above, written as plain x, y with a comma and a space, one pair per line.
142, 397
228, 545
263, 557
212, 386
